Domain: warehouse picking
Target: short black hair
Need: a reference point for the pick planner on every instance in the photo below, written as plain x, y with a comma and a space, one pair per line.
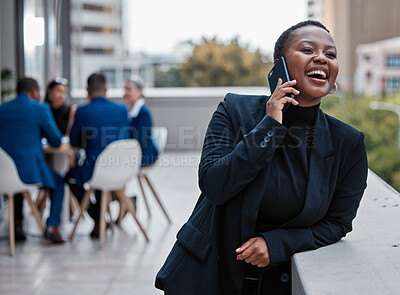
280, 44
96, 82
26, 85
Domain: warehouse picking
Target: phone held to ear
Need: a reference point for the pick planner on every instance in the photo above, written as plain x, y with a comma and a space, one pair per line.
279, 70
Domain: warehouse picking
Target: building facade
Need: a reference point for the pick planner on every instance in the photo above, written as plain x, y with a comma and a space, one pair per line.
378, 68
96, 40
44, 39
100, 35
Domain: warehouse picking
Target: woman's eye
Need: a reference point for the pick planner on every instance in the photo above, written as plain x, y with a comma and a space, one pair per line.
307, 50
331, 54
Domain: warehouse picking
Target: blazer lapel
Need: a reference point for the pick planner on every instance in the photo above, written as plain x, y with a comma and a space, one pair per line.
251, 202
320, 168
252, 197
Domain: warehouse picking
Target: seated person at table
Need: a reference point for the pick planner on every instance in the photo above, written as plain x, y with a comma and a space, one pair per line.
63, 113
140, 121
23, 121
96, 125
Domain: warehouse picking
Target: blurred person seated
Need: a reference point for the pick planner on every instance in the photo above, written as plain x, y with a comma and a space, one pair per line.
23, 121
140, 121
96, 125
63, 113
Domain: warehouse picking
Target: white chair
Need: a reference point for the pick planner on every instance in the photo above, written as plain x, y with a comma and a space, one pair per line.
118, 163
11, 184
159, 137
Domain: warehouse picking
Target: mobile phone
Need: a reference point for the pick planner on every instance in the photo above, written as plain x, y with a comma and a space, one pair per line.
279, 70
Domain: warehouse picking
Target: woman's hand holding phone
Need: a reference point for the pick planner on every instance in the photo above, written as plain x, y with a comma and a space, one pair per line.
278, 99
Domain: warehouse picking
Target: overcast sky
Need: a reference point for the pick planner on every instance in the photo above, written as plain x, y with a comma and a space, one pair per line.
159, 25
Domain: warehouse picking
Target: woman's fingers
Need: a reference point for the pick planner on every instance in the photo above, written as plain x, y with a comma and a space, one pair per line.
254, 251
284, 88
280, 97
246, 254
288, 84
289, 90
245, 246
281, 102
251, 258
256, 261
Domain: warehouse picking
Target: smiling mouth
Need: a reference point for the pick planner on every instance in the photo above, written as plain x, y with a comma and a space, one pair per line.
321, 75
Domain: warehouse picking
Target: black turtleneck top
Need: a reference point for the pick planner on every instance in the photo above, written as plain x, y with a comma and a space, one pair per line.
287, 183
61, 117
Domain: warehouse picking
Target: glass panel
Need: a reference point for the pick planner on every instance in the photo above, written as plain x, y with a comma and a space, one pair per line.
392, 85
34, 50
393, 61
43, 44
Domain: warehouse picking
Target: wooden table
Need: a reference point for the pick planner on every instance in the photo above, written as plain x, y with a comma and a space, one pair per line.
60, 164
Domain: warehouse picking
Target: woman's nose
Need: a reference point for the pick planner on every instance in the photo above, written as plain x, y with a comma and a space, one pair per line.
320, 57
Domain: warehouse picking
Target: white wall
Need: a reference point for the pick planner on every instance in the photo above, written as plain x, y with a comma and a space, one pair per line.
185, 112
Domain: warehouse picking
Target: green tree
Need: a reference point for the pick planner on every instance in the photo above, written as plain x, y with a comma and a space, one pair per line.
7, 87
168, 76
380, 129
214, 63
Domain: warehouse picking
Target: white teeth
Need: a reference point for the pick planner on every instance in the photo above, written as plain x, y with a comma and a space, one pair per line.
317, 72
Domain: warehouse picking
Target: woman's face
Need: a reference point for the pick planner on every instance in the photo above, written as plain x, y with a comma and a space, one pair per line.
57, 95
311, 60
132, 93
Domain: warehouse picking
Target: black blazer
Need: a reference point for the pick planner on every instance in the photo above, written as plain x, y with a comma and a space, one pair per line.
233, 173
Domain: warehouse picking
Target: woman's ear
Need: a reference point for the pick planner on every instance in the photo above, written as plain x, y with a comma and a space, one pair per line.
275, 60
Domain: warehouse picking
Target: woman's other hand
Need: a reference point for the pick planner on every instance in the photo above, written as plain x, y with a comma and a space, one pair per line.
278, 99
71, 119
72, 112
254, 251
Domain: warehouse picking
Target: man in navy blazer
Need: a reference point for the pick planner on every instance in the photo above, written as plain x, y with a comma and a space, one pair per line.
96, 125
23, 121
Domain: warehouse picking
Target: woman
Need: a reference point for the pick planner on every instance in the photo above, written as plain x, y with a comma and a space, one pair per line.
140, 121
273, 184
64, 114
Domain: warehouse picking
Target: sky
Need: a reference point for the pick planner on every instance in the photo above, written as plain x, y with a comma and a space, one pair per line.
158, 26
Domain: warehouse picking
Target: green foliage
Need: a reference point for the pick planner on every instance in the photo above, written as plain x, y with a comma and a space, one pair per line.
168, 76
217, 64
7, 89
380, 129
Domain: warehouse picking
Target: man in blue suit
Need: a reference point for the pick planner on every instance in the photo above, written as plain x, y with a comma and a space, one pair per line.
96, 125
23, 121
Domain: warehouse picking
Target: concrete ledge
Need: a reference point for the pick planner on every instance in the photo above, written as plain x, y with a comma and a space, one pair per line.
367, 260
